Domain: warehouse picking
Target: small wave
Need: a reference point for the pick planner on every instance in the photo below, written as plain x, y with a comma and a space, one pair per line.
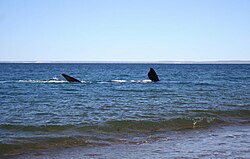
54, 136
42, 128
24, 145
173, 124
121, 125
4, 81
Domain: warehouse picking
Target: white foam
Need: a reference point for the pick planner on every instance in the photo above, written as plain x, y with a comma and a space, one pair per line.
85, 82
42, 81
132, 81
102, 82
141, 81
119, 81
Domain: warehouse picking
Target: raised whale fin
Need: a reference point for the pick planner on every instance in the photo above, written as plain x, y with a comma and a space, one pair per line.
152, 75
70, 79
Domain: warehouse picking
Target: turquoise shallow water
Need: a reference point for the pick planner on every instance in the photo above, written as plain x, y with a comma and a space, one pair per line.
40, 110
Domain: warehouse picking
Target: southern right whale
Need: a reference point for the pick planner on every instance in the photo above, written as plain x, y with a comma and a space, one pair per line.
152, 75
70, 79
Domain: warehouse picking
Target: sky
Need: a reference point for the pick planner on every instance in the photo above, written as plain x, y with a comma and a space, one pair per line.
124, 30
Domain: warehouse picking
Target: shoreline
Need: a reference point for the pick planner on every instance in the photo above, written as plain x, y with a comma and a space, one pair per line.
217, 142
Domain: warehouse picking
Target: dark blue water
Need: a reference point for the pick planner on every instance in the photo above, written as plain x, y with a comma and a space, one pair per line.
39, 109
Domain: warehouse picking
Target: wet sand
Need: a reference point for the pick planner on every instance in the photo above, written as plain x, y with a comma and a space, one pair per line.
217, 142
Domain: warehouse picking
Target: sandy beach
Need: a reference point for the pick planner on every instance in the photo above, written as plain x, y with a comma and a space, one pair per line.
217, 142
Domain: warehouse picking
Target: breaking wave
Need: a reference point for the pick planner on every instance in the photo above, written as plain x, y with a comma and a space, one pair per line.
113, 131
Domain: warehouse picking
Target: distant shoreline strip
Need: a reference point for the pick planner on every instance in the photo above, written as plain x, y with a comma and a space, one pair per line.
136, 62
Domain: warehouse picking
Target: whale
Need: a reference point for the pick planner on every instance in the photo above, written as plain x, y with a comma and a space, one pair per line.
70, 79
152, 75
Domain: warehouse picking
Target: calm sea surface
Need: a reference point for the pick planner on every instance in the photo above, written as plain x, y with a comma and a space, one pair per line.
114, 103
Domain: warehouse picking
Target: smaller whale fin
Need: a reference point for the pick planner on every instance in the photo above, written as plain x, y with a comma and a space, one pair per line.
152, 75
70, 79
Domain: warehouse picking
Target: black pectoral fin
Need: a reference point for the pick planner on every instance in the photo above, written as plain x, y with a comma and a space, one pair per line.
70, 79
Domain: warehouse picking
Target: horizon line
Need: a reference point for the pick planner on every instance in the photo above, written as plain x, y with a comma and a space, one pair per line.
144, 62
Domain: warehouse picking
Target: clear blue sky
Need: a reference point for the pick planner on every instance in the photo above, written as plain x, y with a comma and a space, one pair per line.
124, 30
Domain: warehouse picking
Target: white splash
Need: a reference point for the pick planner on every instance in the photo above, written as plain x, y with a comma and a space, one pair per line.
132, 81
119, 81
43, 81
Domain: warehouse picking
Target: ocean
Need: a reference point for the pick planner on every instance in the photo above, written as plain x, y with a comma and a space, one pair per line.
116, 103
